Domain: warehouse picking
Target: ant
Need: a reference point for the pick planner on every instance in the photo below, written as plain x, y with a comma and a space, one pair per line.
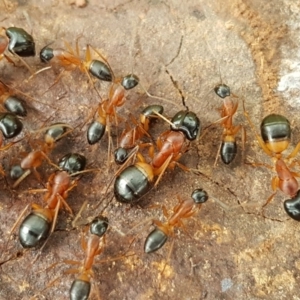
35, 158
11, 102
228, 147
68, 58
107, 108
274, 140
184, 209
40, 223
18, 42
130, 136
81, 286
135, 180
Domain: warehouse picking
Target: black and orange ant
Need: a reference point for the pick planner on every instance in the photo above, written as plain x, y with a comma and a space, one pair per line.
274, 140
93, 247
184, 209
40, 223
130, 137
228, 146
71, 59
135, 180
107, 108
36, 157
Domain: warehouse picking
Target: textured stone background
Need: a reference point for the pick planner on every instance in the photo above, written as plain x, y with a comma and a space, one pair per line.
231, 253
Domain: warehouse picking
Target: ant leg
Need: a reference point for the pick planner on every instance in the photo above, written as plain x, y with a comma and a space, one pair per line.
162, 169
244, 138
82, 208
51, 230
257, 164
65, 204
55, 82
169, 255
294, 152
20, 179
268, 201
212, 124
218, 154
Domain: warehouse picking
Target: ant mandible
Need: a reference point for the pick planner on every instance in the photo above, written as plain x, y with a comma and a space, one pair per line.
135, 181
129, 137
274, 140
184, 209
36, 157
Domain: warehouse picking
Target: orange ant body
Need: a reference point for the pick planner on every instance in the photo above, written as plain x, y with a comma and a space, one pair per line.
275, 138
107, 108
228, 147
68, 58
134, 181
35, 158
184, 209
129, 138
81, 286
40, 223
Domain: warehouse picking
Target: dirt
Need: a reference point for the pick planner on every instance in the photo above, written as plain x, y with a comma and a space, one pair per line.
226, 251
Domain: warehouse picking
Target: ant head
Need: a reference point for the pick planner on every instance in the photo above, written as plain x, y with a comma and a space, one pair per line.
20, 42
121, 155
10, 125
222, 90
99, 226
188, 123
130, 81
46, 54
16, 172
72, 163
199, 196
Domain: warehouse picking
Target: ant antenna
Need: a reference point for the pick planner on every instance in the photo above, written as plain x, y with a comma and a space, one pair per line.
175, 83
